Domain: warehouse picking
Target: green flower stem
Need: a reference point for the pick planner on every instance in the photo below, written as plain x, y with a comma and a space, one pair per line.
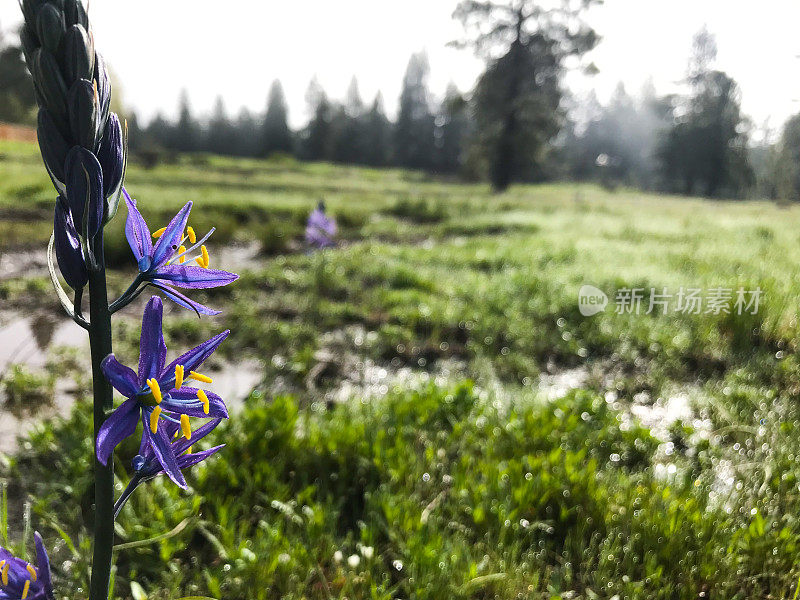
100, 342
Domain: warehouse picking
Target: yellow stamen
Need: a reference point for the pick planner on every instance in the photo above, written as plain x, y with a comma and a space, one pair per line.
189, 451
181, 250
4, 574
155, 389
186, 427
206, 258
200, 377
191, 234
204, 399
26, 589
199, 260
154, 416
178, 376
32, 571
159, 232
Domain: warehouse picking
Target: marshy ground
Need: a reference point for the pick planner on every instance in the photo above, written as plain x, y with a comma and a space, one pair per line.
428, 400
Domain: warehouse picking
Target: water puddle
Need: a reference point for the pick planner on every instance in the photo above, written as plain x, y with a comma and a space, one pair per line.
23, 263
31, 342
558, 384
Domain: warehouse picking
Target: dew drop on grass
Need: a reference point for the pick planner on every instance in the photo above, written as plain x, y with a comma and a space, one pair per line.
398, 565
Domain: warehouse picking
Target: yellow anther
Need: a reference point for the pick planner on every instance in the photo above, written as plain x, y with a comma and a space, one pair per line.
4, 574
190, 233
159, 232
204, 399
155, 389
199, 260
206, 258
181, 250
32, 571
178, 376
189, 451
186, 427
200, 377
26, 589
154, 416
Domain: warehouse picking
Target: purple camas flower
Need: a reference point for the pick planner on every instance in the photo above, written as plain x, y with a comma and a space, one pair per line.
156, 395
320, 228
168, 262
147, 465
20, 580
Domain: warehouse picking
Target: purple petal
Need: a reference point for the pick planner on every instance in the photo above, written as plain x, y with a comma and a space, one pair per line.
152, 349
182, 445
118, 426
136, 230
42, 563
189, 460
172, 236
216, 407
184, 301
194, 277
194, 357
121, 377
162, 447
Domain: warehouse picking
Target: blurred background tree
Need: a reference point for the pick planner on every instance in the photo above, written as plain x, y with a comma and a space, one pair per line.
518, 98
414, 144
706, 149
17, 102
276, 134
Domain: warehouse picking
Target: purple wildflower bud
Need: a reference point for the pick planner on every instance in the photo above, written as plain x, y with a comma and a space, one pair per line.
49, 83
157, 395
103, 88
170, 262
75, 14
79, 50
85, 191
53, 146
20, 579
50, 27
68, 247
83, 113
111, 155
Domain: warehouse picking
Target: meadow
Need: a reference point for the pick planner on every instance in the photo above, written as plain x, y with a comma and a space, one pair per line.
436, 418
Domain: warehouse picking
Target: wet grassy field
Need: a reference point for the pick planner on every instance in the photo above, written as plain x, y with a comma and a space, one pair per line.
436, 418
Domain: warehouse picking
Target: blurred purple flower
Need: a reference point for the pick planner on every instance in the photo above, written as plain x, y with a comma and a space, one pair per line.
20, 580
162, 264
158, 393
320, 228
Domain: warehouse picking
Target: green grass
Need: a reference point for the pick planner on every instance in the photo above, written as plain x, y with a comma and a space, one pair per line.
433, 275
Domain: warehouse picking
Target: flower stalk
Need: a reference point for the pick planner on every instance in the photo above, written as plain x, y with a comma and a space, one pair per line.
100, 344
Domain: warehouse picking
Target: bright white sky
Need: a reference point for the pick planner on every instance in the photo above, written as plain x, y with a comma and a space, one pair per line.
237, 47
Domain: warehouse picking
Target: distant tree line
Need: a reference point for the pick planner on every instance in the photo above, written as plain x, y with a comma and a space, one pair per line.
426, 135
